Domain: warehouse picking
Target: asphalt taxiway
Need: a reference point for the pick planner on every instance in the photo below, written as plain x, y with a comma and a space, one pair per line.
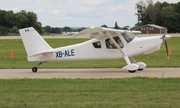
89, 73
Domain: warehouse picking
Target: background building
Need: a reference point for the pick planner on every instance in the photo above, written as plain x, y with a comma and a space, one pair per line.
151, 29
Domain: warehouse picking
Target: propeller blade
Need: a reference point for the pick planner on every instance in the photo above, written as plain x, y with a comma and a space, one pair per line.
165, 38
166, 47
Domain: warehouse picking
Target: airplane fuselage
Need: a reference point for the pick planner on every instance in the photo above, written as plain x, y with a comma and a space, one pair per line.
86, 50
106, 43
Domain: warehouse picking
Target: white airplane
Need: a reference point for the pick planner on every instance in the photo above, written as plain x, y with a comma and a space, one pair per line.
106, 43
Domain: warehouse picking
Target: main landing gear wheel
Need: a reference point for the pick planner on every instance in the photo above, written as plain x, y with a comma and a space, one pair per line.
140, 69
132, 71
34, 69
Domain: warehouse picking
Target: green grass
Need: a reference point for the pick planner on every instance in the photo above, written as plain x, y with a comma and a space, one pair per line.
156, 59
136, 92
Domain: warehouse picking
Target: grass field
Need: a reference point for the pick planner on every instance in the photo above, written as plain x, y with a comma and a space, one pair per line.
156, 59
136, 92
90, 93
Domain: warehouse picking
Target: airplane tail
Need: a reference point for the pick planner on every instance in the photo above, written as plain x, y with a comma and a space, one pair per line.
33, 42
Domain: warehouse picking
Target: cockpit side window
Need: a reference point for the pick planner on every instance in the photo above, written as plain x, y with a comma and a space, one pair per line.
97, 44
128, 36
110, 45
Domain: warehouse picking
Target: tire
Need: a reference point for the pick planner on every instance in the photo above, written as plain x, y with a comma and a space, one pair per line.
140, 69
132, 71
34, 69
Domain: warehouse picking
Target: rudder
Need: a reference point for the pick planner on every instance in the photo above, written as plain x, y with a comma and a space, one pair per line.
32, 41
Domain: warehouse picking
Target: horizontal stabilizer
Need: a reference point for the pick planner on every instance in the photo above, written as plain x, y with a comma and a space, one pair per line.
41, 53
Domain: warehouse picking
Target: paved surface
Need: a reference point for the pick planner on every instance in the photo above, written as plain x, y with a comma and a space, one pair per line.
88, 73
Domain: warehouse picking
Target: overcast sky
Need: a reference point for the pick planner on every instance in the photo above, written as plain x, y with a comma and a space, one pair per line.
79, 13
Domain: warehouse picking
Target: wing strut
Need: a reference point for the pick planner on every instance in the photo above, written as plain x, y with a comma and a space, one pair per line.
118, 47
130, 67
114, 42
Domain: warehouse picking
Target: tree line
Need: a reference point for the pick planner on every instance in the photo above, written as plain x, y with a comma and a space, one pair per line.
59, 30
10, 22
163, 14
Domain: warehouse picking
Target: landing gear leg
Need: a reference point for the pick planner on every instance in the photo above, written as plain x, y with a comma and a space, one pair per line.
131, 67
35, 69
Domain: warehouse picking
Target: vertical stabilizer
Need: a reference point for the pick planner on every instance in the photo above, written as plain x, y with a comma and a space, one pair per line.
33, 42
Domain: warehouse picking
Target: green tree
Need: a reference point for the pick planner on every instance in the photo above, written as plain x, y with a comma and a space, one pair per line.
7, 18
169, 19
79, 29
22, 20
47, 29
14, 30
126, 28
50, 29
140, 7
28, 19
116, 26
11, 22
177, 16
105, 26
163, 14
4, 30
67, 29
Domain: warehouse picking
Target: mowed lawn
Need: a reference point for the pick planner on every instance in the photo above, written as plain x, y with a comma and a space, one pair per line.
156, 59
136, 92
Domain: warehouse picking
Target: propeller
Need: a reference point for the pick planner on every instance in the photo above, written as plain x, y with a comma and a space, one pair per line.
165, 42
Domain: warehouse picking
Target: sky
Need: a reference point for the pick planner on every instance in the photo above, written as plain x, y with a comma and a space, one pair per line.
79, 13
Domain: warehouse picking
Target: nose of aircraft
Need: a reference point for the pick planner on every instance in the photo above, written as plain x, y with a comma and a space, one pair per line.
166, 37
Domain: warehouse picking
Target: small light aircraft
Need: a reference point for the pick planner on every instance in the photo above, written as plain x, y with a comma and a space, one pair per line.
105, 43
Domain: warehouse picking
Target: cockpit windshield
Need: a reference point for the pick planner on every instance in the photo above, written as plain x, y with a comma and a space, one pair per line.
128, 36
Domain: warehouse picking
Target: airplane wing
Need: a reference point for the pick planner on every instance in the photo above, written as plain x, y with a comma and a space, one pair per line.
95, 32
41, 53
98, 32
